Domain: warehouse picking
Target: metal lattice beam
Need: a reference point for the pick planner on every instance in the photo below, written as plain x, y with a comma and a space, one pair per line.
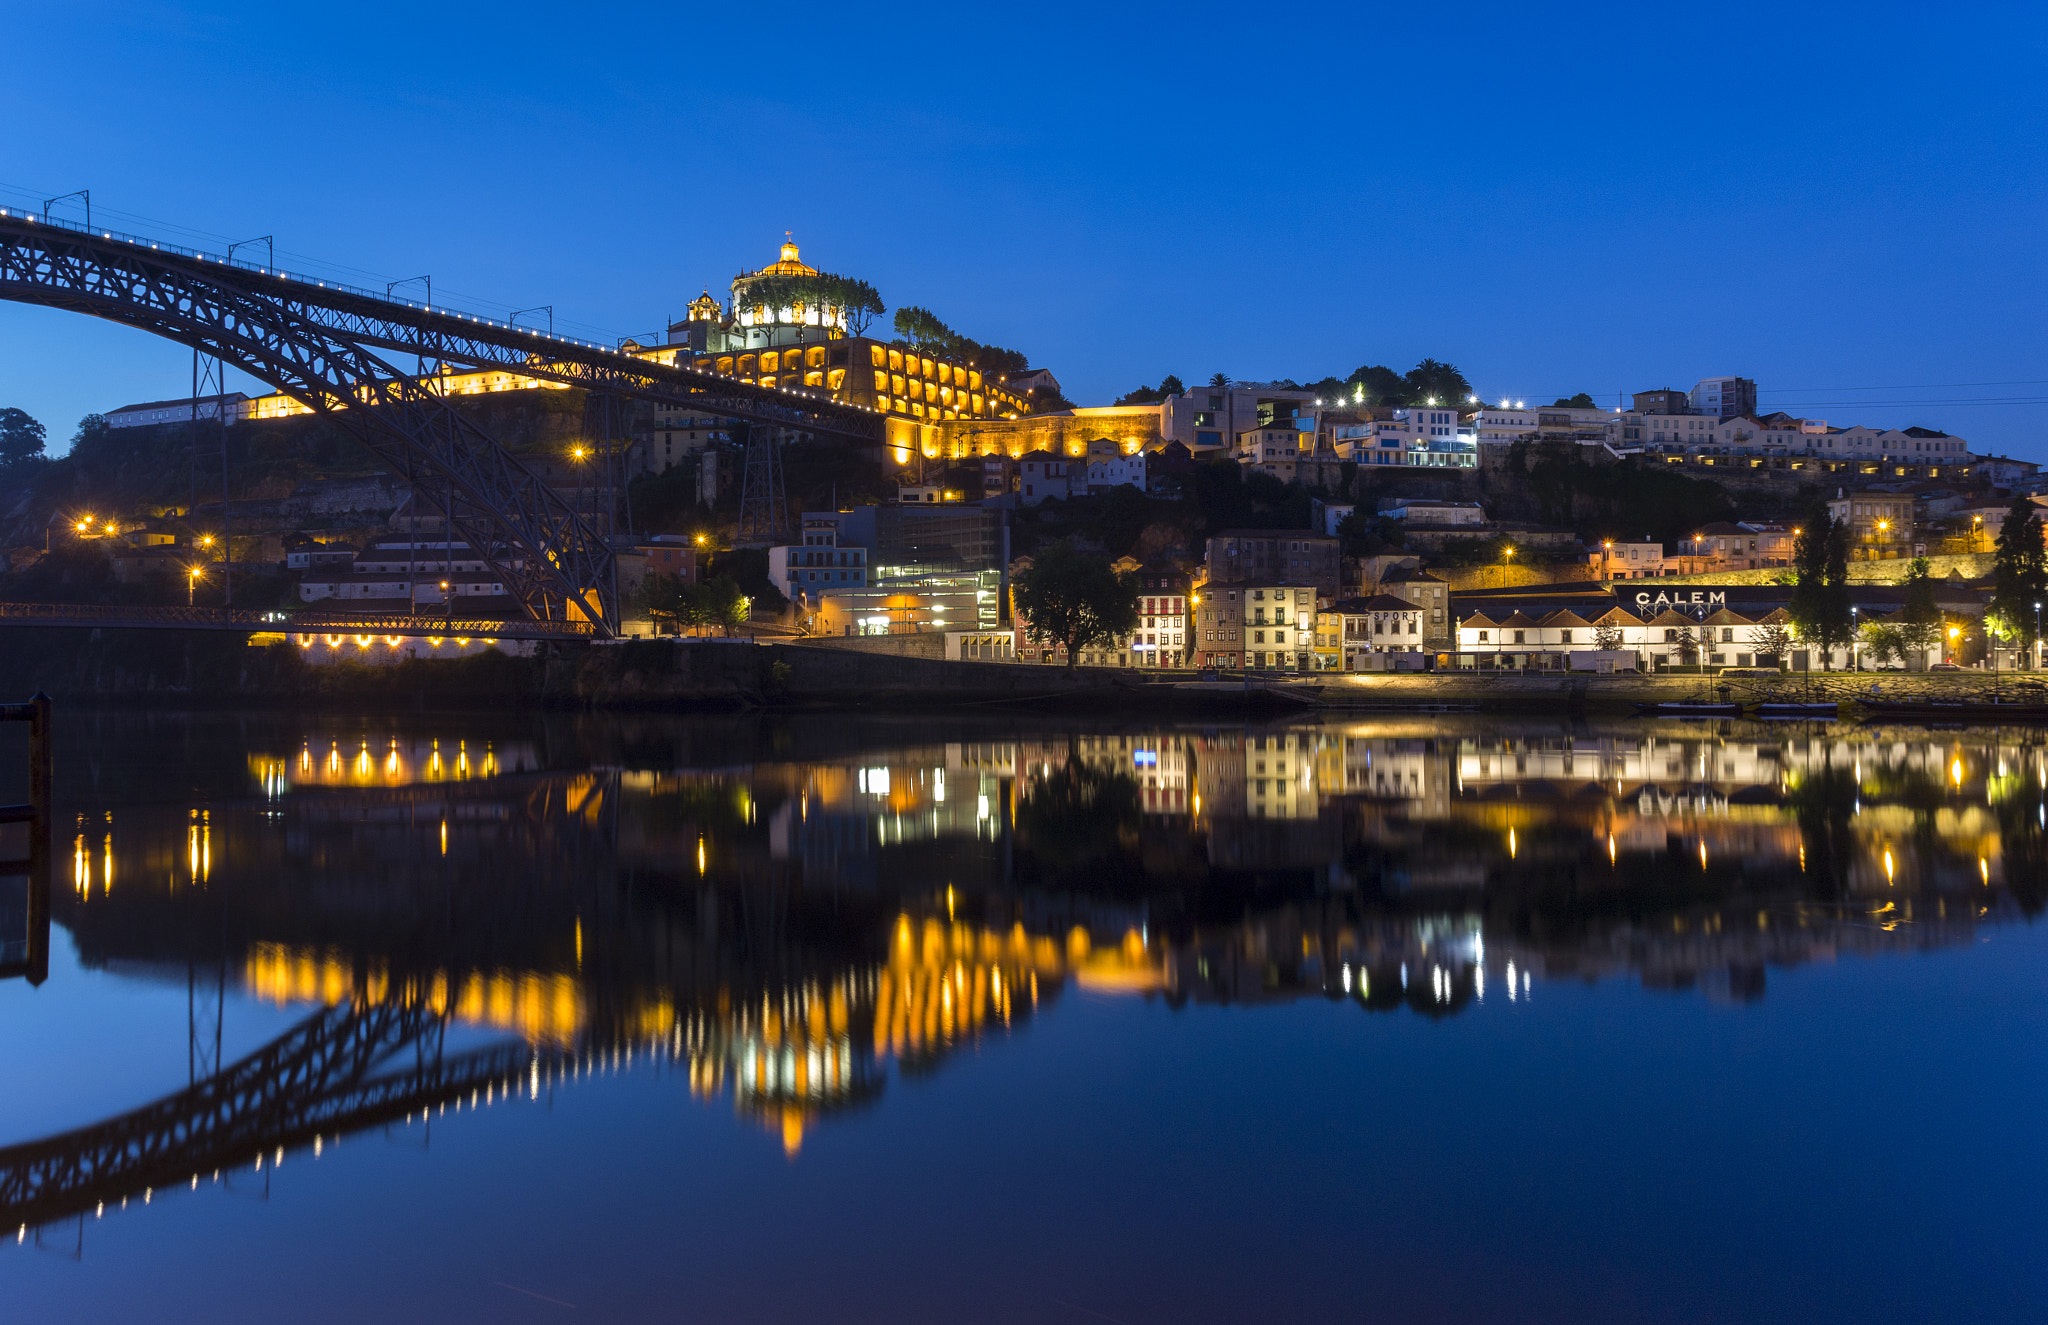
325, 346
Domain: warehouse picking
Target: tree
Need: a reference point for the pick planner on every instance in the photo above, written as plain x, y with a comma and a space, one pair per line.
1381, 385
92, 429
1170, 385
1771, 641
665, 597
1882, 641
1607, 636
1919, 622
1688, 646
1075, 599
1820, 597
1580, 401
725, 604
1220, 379
856, 299
21, 437
2019, 574
1430, 380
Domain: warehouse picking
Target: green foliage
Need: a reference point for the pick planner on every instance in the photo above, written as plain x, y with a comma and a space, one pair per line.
1383, 386
1820, 597
1219, 379
1580, 401
1688, 646
2019, 573
1882, 642
1598, 500
748, 569
1607, 636
1075, 599
21, 437
1431, 380
1919, 622
856, 298
719, 602
1773, 641
921, 330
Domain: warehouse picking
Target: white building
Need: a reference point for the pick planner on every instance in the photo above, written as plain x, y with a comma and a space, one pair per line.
1042, 475
1724, 397
1421, 511
1109, 467
234, 407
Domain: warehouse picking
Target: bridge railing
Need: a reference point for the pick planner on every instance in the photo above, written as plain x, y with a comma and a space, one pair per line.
234, 618
221, 259
532, 336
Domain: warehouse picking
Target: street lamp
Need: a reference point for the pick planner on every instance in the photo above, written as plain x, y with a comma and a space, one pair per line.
191, 584
1606, 558
2036, 650
1507, 555
1855, 638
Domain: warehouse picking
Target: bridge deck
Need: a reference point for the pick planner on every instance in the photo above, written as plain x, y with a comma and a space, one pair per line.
296, 623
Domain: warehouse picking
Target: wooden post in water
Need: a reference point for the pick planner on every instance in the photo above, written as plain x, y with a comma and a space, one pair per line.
36, 713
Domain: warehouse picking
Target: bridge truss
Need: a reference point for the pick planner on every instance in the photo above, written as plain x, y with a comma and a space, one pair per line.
341, 1070
333, 348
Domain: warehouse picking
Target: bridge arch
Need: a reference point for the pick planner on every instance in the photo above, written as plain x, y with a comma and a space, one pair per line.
329, 346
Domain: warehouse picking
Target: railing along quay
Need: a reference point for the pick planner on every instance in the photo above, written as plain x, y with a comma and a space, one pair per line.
301, 623
30, 955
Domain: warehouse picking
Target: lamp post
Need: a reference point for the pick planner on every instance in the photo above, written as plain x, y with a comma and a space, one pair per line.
191, 585
1606, 558
1507, 555
1855, 638
579, 454
2036, 650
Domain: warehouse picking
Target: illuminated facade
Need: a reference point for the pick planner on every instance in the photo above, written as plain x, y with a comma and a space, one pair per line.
816, 349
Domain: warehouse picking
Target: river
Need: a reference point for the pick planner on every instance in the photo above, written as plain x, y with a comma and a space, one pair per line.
862, 1018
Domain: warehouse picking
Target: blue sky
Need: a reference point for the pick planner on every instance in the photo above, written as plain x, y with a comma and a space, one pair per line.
1844, 202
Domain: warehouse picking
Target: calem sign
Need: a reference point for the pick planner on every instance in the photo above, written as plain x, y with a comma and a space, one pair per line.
1700, 600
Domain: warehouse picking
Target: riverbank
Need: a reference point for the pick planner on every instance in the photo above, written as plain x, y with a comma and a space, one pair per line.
195, 670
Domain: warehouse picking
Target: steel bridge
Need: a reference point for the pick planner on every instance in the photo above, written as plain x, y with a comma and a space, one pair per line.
332, 348
341, 1070
296, 623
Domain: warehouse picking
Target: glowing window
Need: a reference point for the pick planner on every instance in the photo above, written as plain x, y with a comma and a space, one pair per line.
881, 380
769, 362
895, 361
878, 358
814, 357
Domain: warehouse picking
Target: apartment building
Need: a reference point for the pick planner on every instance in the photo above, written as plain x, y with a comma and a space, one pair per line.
1240, 556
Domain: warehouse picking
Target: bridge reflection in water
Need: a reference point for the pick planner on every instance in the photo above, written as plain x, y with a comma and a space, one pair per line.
794, 918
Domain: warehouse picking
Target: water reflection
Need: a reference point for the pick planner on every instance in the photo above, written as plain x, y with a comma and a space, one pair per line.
789, 916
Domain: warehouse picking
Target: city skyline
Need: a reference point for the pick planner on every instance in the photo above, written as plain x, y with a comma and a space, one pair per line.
1802, 238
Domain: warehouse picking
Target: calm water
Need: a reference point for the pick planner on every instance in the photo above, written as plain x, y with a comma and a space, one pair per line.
847, 1019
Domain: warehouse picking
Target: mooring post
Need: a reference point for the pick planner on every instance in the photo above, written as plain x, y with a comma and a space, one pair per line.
40, 741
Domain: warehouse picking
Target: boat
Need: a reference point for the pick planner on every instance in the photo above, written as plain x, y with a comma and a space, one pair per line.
1691, 708
1781, 709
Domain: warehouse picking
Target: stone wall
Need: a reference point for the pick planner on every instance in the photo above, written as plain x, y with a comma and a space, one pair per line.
923, 644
